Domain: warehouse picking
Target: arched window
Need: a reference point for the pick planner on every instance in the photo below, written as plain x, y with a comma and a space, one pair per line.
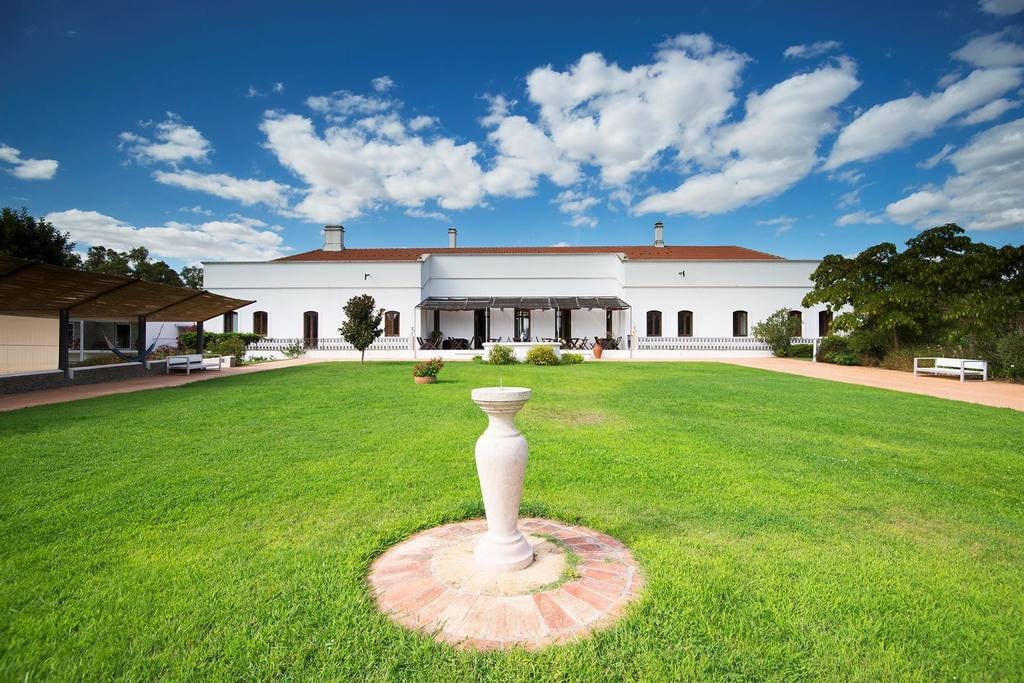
684, 324
824, 323
259, 323
391, 326
796, 324
231, 322
311, 328
653, 323
739, 323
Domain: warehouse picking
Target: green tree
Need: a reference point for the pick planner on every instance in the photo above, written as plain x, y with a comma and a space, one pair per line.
776, 331
943, 288
23, 236
362, 323
133, 263
192, 276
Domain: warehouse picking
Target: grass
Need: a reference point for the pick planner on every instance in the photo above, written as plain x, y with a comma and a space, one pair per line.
789, 528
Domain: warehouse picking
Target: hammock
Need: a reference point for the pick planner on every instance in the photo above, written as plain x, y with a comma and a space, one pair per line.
131, 359
137, 358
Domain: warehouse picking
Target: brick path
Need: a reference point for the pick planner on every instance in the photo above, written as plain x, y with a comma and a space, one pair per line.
996, 394
64, 394
410, 592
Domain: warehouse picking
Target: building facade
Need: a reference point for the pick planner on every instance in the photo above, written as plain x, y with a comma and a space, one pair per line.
655, 299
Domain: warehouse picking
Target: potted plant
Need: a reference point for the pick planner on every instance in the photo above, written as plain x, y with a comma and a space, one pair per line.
426, 372
598, 347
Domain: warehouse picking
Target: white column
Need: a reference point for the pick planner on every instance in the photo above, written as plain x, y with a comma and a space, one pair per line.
501, 455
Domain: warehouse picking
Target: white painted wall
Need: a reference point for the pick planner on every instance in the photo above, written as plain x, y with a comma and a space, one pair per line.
27, 344
711, 289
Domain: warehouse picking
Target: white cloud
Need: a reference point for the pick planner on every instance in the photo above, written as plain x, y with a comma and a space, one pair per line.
341, 104
1001, 7
246, 191
352, 168
253, 92
433, 215
772, 148
28, 169
278, 87
197, 210
174, 141
949, 79
987, 191
851, 198
561, 244
623, 121
859, 218
933, 161
991, 51
899, 122
382, 83
236, 239
991, 111
783, 224
525, 153
850, 176
418, 123
815, 49
576, 204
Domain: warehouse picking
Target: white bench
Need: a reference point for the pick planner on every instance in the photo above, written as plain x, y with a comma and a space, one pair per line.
192, 361
953, 367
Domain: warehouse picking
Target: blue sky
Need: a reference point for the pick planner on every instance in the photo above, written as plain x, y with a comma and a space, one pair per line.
235, 130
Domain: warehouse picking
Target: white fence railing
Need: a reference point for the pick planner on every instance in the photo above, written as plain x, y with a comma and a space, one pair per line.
709, 343
328, 344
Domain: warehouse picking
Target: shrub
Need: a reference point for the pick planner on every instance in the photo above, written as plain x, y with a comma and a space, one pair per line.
294, 350
428, 368
230, 346
836, 349
904, 358
501, 355
572, 358
187, 340
776, 331
478, 359
541, 355
162, 352
801, 351
1010, 354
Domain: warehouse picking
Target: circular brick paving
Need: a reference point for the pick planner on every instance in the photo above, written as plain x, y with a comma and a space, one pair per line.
417, 584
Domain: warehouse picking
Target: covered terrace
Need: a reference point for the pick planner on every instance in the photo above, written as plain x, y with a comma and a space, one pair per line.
32, 290
576, 322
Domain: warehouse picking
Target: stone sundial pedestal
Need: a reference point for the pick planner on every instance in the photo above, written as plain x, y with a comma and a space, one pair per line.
501, 456
505, 582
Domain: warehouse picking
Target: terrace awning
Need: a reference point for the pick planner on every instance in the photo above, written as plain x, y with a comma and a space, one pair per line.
475, 303
41, 290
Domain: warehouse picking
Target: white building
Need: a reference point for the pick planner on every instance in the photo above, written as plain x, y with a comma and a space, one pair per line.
653, 300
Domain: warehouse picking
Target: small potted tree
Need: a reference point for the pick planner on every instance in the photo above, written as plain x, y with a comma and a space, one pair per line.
426, 372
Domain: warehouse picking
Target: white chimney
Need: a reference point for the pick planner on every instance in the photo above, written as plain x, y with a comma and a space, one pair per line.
452, 235
334, 237
659, 234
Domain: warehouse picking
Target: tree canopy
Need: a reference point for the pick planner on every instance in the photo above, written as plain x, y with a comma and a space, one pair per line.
362, 323
133, 263
35, 239
23, 236
943, 288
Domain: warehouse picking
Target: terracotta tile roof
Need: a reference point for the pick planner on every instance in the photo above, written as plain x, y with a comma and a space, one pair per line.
634, 253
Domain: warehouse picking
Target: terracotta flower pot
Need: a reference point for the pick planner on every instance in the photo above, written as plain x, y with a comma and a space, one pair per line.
598, 350
425, 380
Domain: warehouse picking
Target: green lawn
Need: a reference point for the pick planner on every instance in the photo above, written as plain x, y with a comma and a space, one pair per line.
789, 527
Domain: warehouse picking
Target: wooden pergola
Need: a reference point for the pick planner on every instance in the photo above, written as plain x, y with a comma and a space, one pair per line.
41, 290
